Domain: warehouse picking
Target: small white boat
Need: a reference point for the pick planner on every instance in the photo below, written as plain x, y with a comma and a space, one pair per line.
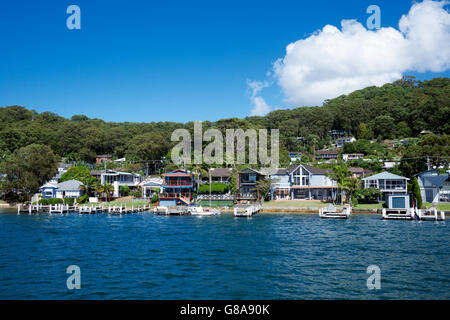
200, 211
430, 215
331, 212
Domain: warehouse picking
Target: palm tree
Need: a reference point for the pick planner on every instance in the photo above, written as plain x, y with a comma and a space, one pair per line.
339, 174
108, 189
350, 185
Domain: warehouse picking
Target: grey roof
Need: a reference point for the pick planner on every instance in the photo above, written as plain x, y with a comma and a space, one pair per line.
436, 181
384, 175
311, 169
314, 170
327, 151
220, 172
69, 185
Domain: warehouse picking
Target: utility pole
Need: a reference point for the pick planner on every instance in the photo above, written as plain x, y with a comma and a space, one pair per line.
428, 163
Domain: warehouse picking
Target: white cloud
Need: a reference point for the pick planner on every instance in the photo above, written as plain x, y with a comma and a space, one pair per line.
332, 62
260, 107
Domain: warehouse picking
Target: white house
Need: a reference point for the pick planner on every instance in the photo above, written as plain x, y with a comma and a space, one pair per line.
150, 185
66, 189
387, 182
343, 140
352, 156
119, 178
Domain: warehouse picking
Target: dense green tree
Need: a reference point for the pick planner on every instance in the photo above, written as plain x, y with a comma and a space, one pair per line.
28, 168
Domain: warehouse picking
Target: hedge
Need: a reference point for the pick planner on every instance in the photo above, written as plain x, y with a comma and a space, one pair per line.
216, 188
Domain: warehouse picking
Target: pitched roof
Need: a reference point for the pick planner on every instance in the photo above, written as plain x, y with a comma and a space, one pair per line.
69, 185
246, 170
327, 151
359, 170
384, 175
437, 180
314, 170
220, 172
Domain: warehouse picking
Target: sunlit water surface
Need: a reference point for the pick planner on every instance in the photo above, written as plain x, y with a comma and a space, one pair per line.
268, 256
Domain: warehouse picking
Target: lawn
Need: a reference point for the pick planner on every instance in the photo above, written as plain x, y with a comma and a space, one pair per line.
444, 206
295, 203
369, 206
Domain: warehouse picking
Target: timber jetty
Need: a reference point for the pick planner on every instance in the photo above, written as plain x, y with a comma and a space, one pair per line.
65, 208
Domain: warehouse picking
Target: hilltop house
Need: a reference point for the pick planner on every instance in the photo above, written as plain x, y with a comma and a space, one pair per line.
247, 180
302, 182
295, 156
62, 168
326, 154
360, 172
343, 140
66, 189
352, 156
102, 158
334, 134
434, 187
387, 182
178, 187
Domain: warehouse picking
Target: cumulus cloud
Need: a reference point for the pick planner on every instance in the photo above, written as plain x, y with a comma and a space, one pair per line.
336, 61
260, 107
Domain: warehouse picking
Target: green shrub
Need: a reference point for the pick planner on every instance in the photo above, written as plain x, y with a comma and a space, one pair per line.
216, 188
83, 199
416, 191
136, 193
51, 201
69, 201
124, 190
155, 198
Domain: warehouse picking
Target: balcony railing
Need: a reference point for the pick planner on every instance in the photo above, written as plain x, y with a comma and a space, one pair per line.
175, 195
178, 183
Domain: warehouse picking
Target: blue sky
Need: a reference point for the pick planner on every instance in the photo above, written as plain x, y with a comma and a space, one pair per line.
159, 61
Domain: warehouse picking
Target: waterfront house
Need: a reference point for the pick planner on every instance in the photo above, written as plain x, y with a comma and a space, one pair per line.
48, 190
151, 186
280, 186
343, 140
302, 182
69, 189
308, 182
102, 158
352, 156
66, 189
434, 187
360, 172
247, 181
221, 175
120, 178
387, 182
178, 187
326, 155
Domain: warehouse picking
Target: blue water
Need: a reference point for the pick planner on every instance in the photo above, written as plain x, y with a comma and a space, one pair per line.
268, 256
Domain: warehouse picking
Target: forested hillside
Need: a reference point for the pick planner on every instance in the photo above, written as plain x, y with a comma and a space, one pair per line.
398, 110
